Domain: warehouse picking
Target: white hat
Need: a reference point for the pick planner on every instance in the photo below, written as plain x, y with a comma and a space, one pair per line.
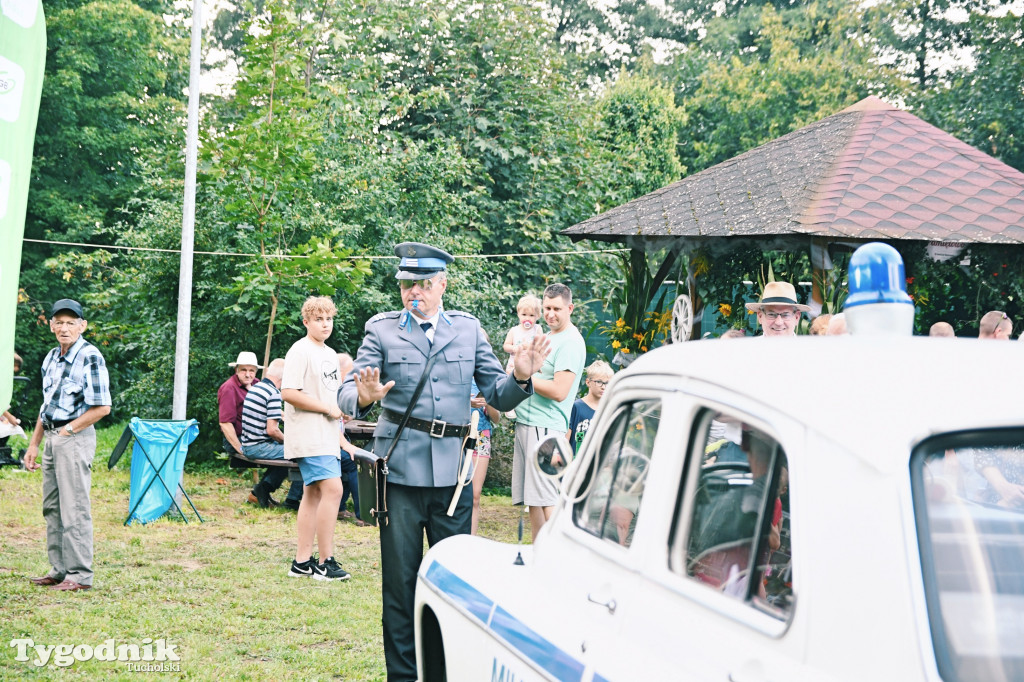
246, 358
778, 293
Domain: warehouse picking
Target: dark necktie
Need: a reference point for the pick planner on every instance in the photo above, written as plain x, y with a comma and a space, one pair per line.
425, 326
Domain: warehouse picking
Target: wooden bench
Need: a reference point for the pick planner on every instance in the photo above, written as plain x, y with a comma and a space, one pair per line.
356, 430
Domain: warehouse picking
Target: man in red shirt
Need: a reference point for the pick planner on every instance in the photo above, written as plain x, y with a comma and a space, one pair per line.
230, 397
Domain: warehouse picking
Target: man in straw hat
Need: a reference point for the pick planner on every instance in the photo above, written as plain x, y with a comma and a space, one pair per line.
230, 399
778, 311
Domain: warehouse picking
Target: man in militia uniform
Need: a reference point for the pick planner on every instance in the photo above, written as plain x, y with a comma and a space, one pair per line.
424, 465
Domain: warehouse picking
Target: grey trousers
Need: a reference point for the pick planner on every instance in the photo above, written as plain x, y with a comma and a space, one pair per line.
67, 478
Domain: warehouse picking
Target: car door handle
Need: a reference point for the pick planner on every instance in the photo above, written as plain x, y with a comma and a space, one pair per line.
607, 602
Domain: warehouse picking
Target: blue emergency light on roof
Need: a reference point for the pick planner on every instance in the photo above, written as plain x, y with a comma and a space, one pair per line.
878, 302
876, 275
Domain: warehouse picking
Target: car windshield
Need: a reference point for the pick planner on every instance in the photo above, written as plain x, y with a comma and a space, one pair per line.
969, 499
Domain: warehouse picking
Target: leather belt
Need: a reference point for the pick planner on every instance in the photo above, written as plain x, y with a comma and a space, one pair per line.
436, 428
53, 426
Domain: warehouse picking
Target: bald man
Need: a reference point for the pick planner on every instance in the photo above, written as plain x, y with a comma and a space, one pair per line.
837, 326
995, 324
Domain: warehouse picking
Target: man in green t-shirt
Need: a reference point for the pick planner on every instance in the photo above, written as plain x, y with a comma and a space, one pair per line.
547, 410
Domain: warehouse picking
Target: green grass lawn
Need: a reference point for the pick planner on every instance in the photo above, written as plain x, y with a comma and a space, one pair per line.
217, 591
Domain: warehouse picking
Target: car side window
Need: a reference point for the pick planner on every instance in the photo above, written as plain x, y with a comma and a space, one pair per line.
968, 491
738, 541
615, 481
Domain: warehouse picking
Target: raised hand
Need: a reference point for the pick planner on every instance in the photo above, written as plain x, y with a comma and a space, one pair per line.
530, 356
368, 386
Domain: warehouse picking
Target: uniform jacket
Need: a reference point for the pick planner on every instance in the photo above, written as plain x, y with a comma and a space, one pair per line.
396, 344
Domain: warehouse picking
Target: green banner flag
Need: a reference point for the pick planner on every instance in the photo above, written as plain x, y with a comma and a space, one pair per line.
22, 60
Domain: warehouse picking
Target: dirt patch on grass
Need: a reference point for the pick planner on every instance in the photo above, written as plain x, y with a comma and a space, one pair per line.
183, 564
499, 520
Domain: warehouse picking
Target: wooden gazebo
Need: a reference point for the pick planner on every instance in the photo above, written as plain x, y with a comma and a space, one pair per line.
869, 172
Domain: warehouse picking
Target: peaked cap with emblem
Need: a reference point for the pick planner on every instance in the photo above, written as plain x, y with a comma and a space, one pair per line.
420, 261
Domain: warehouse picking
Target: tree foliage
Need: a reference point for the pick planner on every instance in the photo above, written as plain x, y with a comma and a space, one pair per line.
263, 167
485, 128
639, 125
918, 35
112, 94
485, 78
983, 105
112, 102
784, 84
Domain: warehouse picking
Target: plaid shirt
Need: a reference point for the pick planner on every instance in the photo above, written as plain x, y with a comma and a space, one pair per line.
86, 384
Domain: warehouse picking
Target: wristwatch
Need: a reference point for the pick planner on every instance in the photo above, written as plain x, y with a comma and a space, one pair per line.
524, 382
70, 429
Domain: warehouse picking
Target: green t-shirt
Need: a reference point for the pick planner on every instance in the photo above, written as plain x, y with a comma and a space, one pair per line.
568, 353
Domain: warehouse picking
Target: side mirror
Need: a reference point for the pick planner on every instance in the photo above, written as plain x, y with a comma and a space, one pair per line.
551, 456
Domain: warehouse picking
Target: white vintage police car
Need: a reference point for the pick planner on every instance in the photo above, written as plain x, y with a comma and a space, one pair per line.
841, 508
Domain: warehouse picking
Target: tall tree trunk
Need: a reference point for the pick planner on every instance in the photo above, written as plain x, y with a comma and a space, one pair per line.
922, 45
270, 332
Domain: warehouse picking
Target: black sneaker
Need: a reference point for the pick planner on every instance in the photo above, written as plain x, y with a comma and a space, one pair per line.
306, 569
330, 570
291, 504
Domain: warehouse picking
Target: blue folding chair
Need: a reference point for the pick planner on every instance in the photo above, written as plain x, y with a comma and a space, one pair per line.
158, 455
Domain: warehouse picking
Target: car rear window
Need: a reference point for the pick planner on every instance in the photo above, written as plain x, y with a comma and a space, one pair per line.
969, 504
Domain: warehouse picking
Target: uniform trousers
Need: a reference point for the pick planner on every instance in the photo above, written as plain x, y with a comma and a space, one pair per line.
67, 479
412, 510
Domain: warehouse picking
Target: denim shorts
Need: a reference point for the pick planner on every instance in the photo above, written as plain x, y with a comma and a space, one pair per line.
268, 449
315, 469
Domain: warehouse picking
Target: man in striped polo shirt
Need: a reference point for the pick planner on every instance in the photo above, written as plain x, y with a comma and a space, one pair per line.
262, 437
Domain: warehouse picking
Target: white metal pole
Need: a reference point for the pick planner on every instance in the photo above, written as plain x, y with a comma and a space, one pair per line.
188, 220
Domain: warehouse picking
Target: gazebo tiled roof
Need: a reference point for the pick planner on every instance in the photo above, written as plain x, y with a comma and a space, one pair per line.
869, 172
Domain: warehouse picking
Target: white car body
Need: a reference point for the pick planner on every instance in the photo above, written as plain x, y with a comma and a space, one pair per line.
843, 415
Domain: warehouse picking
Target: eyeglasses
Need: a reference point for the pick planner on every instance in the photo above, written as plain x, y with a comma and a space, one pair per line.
425, 284
598, 382
999, 324
65, 325
785, 317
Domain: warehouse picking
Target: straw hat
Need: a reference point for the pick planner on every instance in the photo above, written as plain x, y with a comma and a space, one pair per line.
246, 358
778, 293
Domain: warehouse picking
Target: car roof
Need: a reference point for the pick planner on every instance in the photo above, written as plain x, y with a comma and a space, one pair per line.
869, 393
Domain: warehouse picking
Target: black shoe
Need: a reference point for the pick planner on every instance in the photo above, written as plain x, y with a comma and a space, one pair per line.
291, 504
307, 569
262, 496
330, 570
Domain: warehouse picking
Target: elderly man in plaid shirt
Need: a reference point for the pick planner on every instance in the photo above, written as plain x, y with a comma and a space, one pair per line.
76, 394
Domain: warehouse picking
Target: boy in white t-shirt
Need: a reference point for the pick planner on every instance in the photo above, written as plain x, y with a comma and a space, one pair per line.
309, 389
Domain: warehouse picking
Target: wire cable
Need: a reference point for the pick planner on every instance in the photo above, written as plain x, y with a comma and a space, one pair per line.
121, 247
